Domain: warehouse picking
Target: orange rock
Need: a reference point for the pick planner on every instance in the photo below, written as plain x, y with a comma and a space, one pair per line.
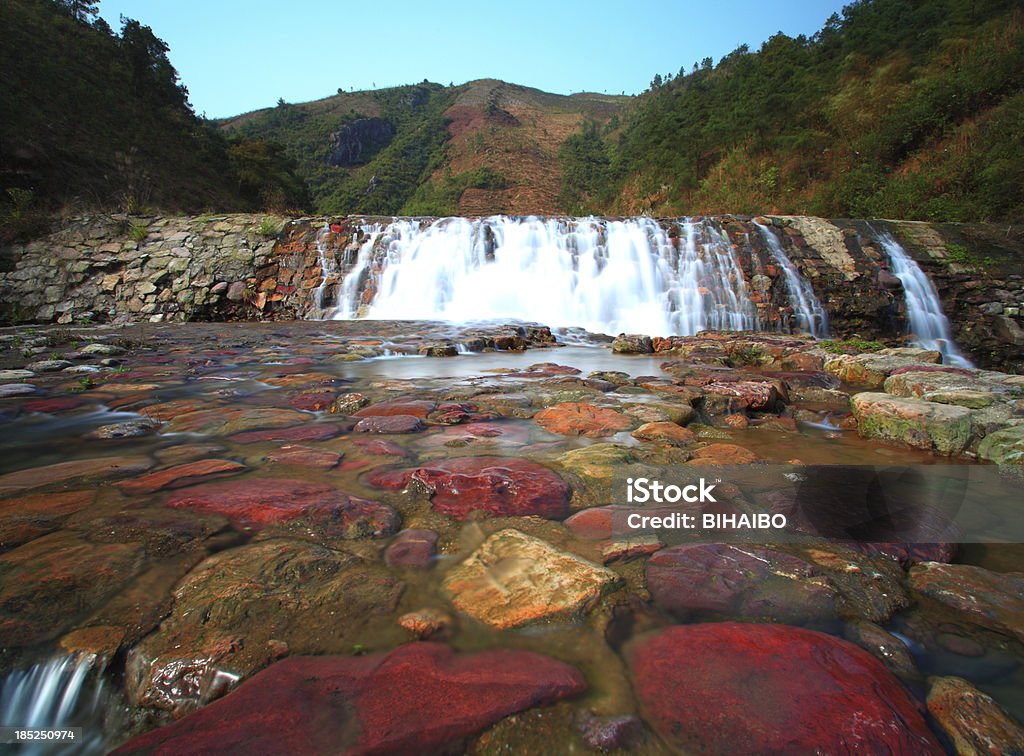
181, 475
723, 454
736, 421
579, 419
668, 433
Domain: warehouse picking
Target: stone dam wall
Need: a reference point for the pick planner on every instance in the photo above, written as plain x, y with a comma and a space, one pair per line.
240, 267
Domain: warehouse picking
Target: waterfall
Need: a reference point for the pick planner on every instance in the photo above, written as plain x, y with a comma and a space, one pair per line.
928, 324
61, 693
326, 265
810, 315
606, 276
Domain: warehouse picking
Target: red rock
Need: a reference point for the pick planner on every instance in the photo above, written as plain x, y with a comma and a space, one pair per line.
596, 523
60, 404
723, 454
747, 688
380, 447
502, 486
389, 424
304, 456
313, 402
181, 476
309, 432
579, 419
258, 502
415, 407
420, 698
412, 548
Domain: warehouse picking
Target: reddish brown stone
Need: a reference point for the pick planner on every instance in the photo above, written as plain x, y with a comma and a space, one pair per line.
389, 424
736, 421
181, 476
419, 698
415, 407
258, 502
412, 548
308, 432
313, 402
380, 447
739, 581
579, 419
746, 688
502, 486
304, 456
59, 404
100, 467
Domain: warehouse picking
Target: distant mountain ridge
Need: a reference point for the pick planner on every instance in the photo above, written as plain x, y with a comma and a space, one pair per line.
482, 147
898, 108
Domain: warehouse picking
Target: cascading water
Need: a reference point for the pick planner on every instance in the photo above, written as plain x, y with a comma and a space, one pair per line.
605, 276
810, 315
928, 324
64, 692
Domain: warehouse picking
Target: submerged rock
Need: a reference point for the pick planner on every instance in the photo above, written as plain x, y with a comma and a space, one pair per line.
389, 424
419, 698
747, 688
514, 579
500, 486
739, 581
51, 581
99, 467
256, 503
232, 613
181, 475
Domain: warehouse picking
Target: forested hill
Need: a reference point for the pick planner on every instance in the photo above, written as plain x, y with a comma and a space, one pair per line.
99, 120
899, 108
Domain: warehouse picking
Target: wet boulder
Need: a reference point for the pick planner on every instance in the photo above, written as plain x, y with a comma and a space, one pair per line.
419, 698
240, 609
814, 693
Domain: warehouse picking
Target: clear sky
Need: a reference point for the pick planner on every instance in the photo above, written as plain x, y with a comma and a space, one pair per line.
240, 55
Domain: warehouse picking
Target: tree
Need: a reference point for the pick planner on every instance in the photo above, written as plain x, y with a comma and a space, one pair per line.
153, 76
656, 81
82, 11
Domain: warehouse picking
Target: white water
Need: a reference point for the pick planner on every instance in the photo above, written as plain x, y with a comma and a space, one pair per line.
60, 693
605, 276
810, 315
928, 324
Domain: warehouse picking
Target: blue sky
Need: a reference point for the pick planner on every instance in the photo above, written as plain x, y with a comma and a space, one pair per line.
237, 56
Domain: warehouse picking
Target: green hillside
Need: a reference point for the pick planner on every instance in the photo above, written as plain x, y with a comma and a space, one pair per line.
900, 108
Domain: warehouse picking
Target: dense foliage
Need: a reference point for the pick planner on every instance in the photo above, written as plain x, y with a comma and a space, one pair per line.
100, 120
900, 108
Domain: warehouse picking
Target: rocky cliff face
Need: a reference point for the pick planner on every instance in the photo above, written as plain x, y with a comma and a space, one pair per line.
227, 267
